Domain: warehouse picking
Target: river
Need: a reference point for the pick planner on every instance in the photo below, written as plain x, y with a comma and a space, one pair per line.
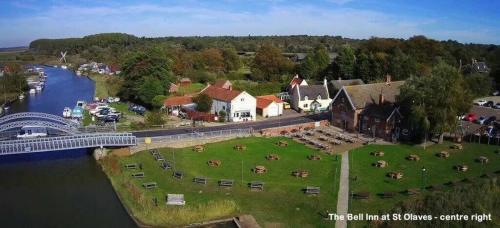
57, 189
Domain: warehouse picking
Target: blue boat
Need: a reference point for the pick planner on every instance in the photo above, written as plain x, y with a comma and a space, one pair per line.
77, 112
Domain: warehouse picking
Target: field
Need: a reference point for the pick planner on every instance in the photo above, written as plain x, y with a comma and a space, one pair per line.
364, 177
282, 202
192, 88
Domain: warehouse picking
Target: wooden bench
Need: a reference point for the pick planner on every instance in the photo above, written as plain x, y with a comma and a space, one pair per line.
158, 157
200, 180
149, 185
226, 183
256, 185
165, 165
153, 151
131, 166
138, 175
387, 195
178, 174
312, 190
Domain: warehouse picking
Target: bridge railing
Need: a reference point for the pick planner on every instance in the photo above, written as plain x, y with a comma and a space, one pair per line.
200, 135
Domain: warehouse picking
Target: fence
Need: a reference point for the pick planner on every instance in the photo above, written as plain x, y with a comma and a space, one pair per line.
201, 135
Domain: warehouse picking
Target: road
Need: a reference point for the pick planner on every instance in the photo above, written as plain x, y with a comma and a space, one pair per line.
258, 125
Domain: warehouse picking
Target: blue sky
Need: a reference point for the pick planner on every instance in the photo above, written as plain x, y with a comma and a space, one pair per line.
475, 21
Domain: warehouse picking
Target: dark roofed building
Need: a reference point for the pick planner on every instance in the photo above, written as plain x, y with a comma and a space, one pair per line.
369, 109
335, 85
304, 97
479, 67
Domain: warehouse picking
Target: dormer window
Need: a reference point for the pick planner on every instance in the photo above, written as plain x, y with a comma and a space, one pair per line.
319, 97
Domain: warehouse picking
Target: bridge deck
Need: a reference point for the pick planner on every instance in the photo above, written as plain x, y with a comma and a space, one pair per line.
20, 146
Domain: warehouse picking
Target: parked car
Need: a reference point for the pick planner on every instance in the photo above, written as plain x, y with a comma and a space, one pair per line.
489, 104
481, 120
496, 93
496, 106
110, 118
489, 120
137, 109
480, 102
470, 117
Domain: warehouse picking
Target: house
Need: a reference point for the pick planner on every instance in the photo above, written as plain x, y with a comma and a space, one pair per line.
479, 67
310, 98
296, 80
269, 106
225, 84
174, 104
185, 82
238, 106
369, 109
335, 85
173, 88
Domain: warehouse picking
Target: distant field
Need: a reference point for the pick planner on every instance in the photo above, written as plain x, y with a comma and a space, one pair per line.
367, 178
281, 203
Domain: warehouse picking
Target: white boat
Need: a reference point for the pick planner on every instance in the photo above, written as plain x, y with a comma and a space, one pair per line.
67, 112
21, 96
32, 91
32, 132
64, 67
38, 88
79, 73
81, 104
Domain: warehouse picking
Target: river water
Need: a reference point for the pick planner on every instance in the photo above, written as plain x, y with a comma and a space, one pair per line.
57, 189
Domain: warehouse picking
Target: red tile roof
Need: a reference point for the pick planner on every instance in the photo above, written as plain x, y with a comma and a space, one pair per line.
263, 103
174, 101
272, 98
221, 94
221, 83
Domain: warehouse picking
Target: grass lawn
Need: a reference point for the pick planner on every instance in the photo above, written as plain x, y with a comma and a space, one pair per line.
282, 202
438, 171
193, 88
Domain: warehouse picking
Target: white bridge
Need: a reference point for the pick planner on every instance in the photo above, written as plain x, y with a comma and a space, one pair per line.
73, 136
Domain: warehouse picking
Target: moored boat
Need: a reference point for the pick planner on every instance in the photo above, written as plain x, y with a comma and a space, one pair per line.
32, 91
67, 112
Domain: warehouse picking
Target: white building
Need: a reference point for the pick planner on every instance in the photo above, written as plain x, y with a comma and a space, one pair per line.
269, 106
238, 106
310, 98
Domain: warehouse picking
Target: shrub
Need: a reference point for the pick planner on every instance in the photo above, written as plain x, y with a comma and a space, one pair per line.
154, 118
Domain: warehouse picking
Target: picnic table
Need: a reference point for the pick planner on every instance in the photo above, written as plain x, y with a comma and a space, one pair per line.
314, 157
443, 154
178, 174
131, 166
378, 154
240, 147
256, 185
462, 168
226, 183
413, 157
199, 148
482, 159
138, 175
260, 169
395, 175
300, 173
200, 180
282, 143
413, 191
149, 185
165, 165
381, 164
312, 190
176, 199
361, 195
272, 157
388, 195
214, 163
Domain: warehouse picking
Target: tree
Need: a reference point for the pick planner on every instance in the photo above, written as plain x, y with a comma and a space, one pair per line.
434, 102
401, 66
154, 118
211, 59
345, 62
203, 102
158, 100
231, 59
479, 84
269, 62
362, 67
145, 75
315, 63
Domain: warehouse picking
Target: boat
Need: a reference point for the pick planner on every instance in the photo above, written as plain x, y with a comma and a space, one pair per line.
67, 112
32, 91
38, 88
81, 104
79, 73
77, 112
64, 67
32, 132
21, 96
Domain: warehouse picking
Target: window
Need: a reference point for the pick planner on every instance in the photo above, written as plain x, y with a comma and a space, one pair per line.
223, 107
242, 99
306, 98
319, 97
305, 105
377, 120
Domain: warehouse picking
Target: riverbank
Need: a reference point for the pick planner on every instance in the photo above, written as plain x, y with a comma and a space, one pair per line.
206, 202
105, 85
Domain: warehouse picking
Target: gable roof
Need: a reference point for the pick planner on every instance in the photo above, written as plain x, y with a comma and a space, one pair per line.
363, 95
180, 100
271, 97
221, 94
263, 103
312, 91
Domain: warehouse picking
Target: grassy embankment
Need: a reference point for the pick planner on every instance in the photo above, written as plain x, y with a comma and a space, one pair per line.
439, 171
281, 203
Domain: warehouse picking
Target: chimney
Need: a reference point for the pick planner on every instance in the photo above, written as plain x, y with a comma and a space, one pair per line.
340, 79
325, 82
381, 99
388, 79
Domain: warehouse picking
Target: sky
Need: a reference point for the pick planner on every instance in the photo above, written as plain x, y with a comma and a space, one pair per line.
472, 21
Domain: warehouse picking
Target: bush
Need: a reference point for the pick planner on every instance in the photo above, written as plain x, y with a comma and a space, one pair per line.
222, 116
203, 102
154, 118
